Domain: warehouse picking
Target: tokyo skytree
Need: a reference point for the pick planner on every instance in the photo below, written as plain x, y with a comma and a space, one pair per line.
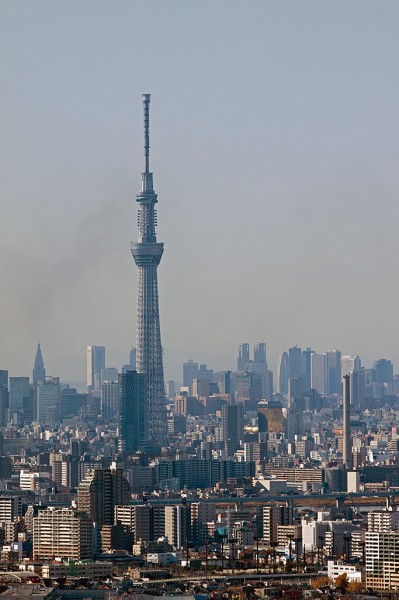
147, 253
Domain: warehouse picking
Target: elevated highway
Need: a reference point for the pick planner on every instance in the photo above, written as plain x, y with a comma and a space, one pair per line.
358, 499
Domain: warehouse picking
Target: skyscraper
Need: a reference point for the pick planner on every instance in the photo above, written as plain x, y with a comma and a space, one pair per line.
349, 364
95, 362
132, 358
295, 361
306, 368
383, 371
190, 372
132, 411
48, 394
100, 491
19, 393
318, 373
3, 404
243, 357
147, 254
109, 400
39, 372
3, 396
334, 371
260, 363
232, 426
4, 378
283, 368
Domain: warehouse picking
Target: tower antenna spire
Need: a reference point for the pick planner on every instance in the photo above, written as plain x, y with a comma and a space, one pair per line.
147, 185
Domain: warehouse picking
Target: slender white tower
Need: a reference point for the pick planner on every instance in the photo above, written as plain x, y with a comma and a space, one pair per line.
147, 253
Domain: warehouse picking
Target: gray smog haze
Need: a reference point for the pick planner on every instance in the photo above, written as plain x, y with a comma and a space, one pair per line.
274, 146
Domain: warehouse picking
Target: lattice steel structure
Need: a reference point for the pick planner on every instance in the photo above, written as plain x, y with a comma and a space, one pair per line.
147, 253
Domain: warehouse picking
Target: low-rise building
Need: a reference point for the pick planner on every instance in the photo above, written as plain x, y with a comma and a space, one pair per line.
78, 569
336, 569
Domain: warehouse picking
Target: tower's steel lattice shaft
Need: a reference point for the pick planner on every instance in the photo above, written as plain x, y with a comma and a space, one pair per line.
147, 253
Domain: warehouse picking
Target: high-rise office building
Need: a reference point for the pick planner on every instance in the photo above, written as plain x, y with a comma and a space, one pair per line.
200, 388
318, 373
267, 385
232, 426
383, 371
171, 389
95, 362
108, 374
243, 357
110, 400
350, 363
306, 368
205, 374
133, 413
295, 390
190, 372
357, 379
48, 394
3, 405
334, 372
260, 363
131, 365
39, 372
295, 362
4, 378
283, 368
3, 397
147, 254
132, 358
19, 392
21, 396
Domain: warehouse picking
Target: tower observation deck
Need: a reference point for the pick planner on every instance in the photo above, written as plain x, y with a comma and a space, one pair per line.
147, 253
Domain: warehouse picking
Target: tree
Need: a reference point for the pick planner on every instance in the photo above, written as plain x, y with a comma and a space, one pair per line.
355, 586
342, 581
320, 582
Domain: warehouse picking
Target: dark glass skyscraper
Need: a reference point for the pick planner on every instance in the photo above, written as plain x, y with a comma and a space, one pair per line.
283, 373
39, 372
133, 413
243, 357
147, 253
4, 378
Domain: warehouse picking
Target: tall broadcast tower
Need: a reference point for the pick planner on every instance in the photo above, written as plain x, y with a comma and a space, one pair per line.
147, 253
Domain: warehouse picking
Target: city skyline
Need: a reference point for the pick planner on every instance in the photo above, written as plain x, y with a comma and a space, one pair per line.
256, 112
302, 365
256, 447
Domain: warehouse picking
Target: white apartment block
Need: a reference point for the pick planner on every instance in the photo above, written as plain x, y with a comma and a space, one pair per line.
382, 560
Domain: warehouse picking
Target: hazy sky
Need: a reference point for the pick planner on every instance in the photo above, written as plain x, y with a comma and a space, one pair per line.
275, 145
